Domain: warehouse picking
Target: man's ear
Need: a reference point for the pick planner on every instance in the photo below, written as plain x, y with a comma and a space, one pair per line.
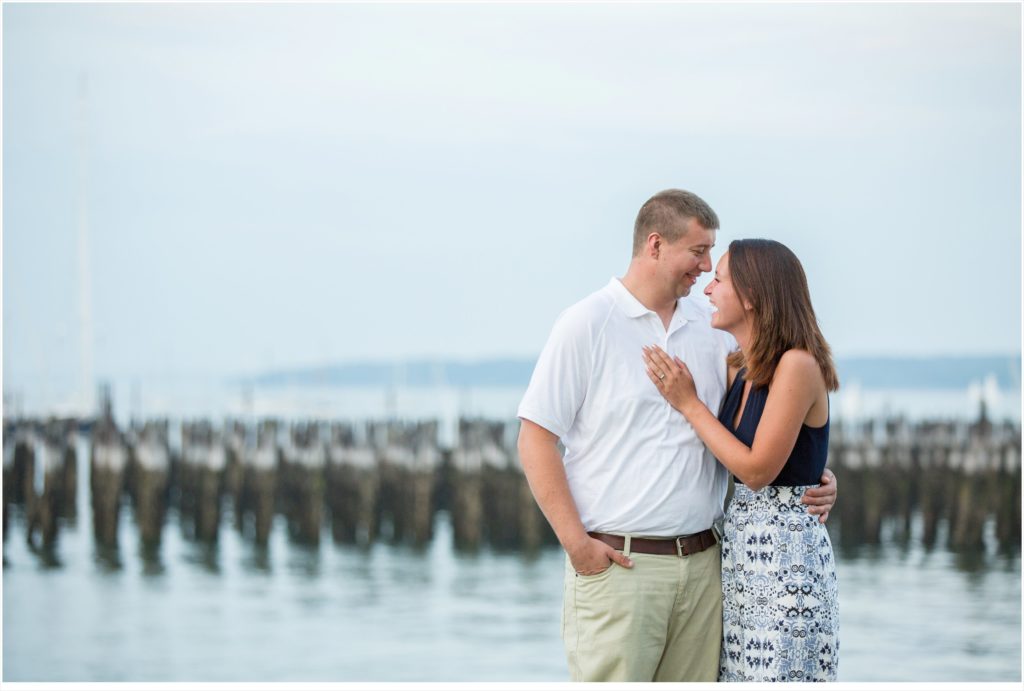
654, 241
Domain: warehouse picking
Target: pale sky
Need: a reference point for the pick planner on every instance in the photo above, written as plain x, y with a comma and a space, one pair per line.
266, 186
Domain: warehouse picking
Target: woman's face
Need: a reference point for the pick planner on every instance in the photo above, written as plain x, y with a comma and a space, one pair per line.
730, 312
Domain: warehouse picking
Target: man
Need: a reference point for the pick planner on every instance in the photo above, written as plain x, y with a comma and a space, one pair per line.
635, 497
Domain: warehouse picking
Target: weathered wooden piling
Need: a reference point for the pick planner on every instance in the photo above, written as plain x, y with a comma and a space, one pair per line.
467, 489
109, 458
420, 482
1008, 492
69, 494
260, 480
500, 482
352, 486
392, 461
931, 488
898, 454
62, 434
241, 447
43, 504
211, 484
203, 461
235, 443
303, 462
23, 465
185, 477
969, 517
8, 476
511, 518
150, 480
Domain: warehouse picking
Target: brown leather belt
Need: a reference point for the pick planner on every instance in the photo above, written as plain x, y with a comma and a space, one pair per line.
682, 546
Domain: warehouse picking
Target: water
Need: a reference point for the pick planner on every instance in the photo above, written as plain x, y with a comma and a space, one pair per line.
394, 613
291, 614
907, 614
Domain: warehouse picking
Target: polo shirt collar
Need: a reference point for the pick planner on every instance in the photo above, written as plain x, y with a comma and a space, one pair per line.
633, 308
626, 301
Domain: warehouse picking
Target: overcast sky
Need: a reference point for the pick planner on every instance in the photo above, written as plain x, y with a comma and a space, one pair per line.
264, 186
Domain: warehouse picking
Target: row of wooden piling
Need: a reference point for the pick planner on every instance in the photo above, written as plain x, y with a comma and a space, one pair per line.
364, 481
953, 475
387, 480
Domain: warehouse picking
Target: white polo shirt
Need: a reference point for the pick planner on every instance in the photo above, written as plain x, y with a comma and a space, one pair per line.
634, 464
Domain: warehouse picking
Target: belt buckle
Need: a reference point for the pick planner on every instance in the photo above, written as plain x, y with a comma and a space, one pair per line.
679, 546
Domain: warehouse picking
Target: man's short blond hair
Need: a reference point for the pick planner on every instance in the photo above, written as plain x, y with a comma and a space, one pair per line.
667, 212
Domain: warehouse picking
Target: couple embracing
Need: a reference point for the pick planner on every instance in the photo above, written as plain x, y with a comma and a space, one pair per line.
656, 404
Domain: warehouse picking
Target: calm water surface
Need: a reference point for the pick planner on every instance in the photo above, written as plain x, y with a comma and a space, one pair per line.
393, 613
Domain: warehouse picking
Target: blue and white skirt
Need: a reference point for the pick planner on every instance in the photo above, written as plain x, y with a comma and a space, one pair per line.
780, 606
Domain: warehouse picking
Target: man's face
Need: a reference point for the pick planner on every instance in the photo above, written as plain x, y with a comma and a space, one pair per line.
681, 263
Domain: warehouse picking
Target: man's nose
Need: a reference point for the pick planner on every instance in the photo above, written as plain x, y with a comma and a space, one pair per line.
705, 263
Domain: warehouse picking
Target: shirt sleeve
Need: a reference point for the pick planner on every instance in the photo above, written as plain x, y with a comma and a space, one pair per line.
559, 383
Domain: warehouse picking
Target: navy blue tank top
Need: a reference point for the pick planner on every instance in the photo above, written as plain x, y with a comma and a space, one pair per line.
805, 465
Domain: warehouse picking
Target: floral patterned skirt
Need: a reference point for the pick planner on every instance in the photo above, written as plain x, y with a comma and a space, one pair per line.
780, 599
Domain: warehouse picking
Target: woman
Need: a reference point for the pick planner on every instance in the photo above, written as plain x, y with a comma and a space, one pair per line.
780, 607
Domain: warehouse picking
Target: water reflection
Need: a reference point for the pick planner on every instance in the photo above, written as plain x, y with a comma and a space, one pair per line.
152, 562
205, 555
47, 555
349, 611
257, 559
108, 558
304, 560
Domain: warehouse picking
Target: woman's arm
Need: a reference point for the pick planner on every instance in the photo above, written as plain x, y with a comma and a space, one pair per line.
795, 386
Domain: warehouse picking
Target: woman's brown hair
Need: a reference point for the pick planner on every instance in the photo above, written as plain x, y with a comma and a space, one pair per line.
767, 274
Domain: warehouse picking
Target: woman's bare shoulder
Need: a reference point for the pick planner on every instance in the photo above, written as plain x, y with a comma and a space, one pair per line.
799, 364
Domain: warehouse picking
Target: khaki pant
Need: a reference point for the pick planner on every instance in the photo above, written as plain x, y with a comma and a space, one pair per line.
658, 621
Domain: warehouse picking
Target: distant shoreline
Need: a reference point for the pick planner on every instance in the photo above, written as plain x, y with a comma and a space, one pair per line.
919, 388
867, 372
